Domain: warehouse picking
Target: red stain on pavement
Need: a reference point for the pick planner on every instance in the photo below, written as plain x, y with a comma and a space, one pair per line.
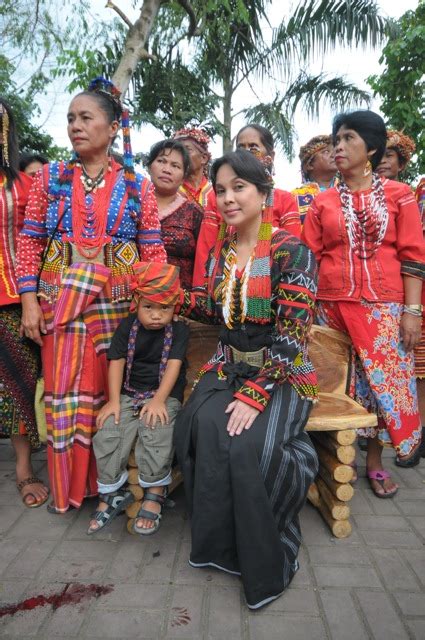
181, 617
71, 594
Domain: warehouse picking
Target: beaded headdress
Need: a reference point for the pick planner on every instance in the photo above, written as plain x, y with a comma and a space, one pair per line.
401, 143
200, 139
107, 88
313, 146
4, 124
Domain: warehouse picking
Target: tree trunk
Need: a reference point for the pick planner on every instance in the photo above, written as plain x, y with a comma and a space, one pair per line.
135, 42
227, 115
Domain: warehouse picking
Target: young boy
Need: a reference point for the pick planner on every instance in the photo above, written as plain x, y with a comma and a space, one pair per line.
146, 383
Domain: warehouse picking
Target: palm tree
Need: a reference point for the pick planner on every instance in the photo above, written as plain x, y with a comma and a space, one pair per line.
240, 54
184, 79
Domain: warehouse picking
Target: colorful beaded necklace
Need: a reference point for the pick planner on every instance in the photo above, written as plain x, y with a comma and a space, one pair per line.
256, 288
366, 228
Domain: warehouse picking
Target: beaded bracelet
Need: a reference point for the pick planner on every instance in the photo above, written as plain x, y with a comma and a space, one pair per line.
412, 312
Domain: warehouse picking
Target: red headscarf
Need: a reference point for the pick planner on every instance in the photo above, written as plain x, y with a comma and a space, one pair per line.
156, 282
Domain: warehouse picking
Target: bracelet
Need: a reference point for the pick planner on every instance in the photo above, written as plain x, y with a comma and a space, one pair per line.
414, 307
412, 312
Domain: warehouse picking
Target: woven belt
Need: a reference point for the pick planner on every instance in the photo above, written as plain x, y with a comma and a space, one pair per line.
253, 358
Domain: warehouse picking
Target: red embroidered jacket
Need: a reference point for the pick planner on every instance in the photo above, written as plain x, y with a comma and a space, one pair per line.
345, 276
285, 216
10, 225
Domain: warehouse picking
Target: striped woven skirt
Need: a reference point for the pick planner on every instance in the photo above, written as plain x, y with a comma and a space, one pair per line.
19, 369
79, 330
244, 493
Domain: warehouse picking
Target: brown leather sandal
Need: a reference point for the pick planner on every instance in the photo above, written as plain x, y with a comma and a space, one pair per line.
26, 482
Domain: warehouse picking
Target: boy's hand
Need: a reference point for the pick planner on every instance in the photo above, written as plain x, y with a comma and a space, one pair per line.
109, 409
154, 410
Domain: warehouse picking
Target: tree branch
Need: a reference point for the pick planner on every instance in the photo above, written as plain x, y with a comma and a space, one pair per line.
185, 4
111, 5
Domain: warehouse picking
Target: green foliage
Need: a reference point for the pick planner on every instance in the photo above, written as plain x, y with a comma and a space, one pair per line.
401, 86
24, 107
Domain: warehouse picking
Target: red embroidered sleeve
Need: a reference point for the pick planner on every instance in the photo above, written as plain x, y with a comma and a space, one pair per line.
151, 247
32, 238
285, 212
206, 240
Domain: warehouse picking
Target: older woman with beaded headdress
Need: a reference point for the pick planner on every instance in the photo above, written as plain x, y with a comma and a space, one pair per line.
19, 359
367, 237
87, 222
397, 155
318, 170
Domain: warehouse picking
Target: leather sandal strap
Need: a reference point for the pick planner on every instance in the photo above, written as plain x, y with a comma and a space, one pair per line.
149, 515
154, 497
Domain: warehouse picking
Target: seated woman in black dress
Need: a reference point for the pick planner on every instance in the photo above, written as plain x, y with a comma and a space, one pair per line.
240, 440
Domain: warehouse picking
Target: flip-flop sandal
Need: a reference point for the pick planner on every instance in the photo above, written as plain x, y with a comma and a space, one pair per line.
381, 476
150, 515
117, 502
25, 483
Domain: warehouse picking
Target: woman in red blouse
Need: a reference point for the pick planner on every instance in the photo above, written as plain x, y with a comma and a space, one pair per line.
366, 236
180, 217
19, 359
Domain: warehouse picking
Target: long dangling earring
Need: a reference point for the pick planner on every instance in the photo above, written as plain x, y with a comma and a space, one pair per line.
4, 120
368, 169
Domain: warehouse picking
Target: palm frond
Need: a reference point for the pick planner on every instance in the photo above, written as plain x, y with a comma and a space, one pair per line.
311, 92
272, 116
317, 26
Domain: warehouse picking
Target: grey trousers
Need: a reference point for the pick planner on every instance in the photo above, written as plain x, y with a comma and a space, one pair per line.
153, 451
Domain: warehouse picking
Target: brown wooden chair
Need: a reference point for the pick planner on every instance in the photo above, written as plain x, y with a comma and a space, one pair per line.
332, 426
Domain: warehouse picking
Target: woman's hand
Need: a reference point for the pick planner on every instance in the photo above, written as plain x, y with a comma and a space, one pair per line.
153, 411
32, 322
108, 409
410, 330
242, 415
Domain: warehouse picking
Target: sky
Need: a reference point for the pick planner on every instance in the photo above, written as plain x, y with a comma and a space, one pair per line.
355, 65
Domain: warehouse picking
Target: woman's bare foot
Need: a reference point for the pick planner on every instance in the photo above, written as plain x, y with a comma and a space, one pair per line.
32, 493
384, 486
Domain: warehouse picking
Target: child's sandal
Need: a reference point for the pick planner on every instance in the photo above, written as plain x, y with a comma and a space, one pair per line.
117, 502
150, 515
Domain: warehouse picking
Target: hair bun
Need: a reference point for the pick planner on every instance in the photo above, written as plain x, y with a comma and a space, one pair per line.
106, 87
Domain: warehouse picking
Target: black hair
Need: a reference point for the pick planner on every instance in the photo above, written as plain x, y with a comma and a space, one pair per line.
25, 159
370, 127
159, 148
12, 171
246, 166
265, 135
109, 105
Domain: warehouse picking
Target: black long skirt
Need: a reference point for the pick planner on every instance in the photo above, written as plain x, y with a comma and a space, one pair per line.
245, 492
